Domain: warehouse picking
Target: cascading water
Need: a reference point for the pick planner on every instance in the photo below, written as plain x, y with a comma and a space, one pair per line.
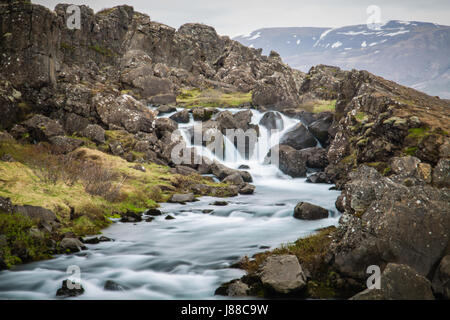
188, 257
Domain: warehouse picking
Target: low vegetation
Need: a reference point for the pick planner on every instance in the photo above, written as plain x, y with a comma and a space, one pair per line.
317, 106
212, 98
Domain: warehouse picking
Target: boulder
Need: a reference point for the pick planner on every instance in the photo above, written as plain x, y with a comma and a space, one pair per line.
319, 129
234, 178
64, 291
282, 274
95, 133
42, 128
202, 114
399, 282
237, 289
272, 121
441, 174
308, 211
316, 157
111, 285
130, 216
441, 279
72, 245
318, 177
181, 117
298, 138
35, 213
290, 161
247, 189
218, 203
66, 144
166, 109
386, 221
182, 198
165, 125
153, 212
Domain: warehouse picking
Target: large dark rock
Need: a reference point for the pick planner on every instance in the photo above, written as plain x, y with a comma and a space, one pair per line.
247, 189
35, 213
202, 114
65, 292
272, 121
319, 129
298, 138
43, 128
181, 117
441, 173
441, 280
111, 285
387, 221
399, 282
124, 111
65, 144
308, 211
290, 161
95, 133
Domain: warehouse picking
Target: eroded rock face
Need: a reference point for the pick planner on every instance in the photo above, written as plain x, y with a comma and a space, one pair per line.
386, 221
399, 282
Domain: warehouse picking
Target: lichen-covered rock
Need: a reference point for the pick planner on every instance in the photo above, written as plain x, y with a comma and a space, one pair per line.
399, 282
282, 273
441, 174
43, 128
65, 144
95, 133
390, 222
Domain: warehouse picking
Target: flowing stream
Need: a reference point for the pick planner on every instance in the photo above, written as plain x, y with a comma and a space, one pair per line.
188, 257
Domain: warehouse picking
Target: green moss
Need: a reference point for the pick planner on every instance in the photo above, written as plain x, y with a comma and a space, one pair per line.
102, 51
320, 290
411, 151
20, 245
106, 11
66, 46
418, 133
212, 98
361, 116
325, 106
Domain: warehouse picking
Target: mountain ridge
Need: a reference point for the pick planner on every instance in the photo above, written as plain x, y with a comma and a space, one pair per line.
411, 53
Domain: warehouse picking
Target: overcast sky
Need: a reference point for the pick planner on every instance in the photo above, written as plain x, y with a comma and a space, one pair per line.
235, 17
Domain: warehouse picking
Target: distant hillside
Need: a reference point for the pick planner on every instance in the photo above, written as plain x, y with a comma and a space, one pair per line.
415, 54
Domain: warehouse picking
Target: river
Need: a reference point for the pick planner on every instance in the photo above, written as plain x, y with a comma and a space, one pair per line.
188, 257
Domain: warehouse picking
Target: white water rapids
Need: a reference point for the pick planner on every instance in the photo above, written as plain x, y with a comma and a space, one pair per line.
188, 257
